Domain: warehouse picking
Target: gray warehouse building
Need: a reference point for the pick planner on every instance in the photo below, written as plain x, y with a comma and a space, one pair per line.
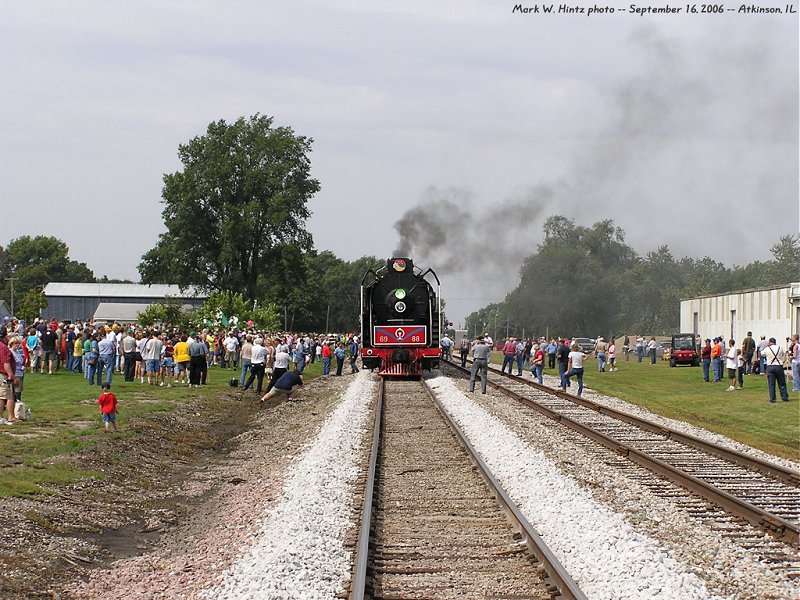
112, 301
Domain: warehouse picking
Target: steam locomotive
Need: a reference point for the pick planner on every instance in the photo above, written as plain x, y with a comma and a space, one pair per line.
400, 319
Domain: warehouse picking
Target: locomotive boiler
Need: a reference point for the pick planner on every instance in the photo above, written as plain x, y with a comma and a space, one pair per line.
400, 319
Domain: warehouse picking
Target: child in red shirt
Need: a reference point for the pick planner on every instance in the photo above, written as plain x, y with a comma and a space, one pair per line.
108, 406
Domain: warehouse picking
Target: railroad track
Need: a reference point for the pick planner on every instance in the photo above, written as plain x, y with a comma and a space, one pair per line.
764, 494
435, 523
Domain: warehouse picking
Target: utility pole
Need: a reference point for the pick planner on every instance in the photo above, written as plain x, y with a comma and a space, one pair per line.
12, 280
328, 317
285, 318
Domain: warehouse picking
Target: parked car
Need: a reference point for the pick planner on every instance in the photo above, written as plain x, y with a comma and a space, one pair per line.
586, 345
663, 350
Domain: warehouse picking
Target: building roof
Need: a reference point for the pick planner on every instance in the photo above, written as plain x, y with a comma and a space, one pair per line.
118, 311
792, 287
122, 311
120, 290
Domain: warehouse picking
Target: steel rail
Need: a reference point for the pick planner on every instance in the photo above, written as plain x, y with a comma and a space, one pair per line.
358, 585
784, 530
764, 467
555, 571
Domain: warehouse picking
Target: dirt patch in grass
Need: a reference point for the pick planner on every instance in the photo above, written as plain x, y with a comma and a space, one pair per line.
145, 483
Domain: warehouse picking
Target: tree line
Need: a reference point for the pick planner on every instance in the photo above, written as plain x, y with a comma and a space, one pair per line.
235, 226
586, 281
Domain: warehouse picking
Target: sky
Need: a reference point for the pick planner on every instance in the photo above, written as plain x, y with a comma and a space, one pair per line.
448, 131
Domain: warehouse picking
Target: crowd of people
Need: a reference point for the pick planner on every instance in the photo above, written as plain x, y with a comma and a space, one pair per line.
168, 357
163, 357
765, 358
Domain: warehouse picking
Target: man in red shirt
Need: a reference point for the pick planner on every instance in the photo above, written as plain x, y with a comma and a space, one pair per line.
108, 407
326, 358
509, 355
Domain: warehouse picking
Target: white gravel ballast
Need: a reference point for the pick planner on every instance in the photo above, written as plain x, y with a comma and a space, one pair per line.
298, 552
606, 557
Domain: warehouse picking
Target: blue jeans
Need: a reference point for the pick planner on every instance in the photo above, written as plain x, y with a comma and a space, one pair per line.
716, 364
520, 362
639, 352
245, 369
601, 361
775, 374
106, 364
537, 372
562, 368
508, 359
326, 365
795, 376
706, 368
301, 363
92, 370
577, 373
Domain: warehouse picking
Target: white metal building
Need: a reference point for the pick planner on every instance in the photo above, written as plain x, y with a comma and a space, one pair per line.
771, 312
111, 301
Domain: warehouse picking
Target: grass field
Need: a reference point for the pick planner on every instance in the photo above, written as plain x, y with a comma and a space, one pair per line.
66, 419
680, 393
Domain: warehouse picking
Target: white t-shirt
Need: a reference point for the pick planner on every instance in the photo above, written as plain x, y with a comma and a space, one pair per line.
577, 359
731, 362
152, 350
257, 354
282, 360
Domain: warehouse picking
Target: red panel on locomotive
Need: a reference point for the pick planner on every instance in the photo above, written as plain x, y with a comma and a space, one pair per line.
400, 319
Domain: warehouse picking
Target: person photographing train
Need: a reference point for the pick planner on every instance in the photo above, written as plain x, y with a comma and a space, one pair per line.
480, 363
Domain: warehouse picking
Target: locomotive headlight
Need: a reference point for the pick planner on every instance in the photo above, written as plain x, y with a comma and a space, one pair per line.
400, 294
400, 306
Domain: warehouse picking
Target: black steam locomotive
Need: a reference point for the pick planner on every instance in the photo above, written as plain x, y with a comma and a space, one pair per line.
400, 319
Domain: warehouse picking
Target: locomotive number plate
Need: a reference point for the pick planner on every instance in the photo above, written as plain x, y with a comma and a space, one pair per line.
415, 335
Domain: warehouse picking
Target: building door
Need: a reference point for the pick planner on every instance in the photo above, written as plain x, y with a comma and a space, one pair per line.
696, 323
733, 324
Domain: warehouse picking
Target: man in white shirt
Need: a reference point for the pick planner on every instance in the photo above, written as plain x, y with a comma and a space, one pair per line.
257, 356
773, 356
732, 363
231, 359
574, 367
280, 366
152, 357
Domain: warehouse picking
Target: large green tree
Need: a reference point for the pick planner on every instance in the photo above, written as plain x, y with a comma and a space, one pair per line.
572, 284
587, 281
237, 206
33, 262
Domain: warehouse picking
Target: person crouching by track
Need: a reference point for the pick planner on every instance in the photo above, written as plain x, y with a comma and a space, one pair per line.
286, 385
480, 362
575, 367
